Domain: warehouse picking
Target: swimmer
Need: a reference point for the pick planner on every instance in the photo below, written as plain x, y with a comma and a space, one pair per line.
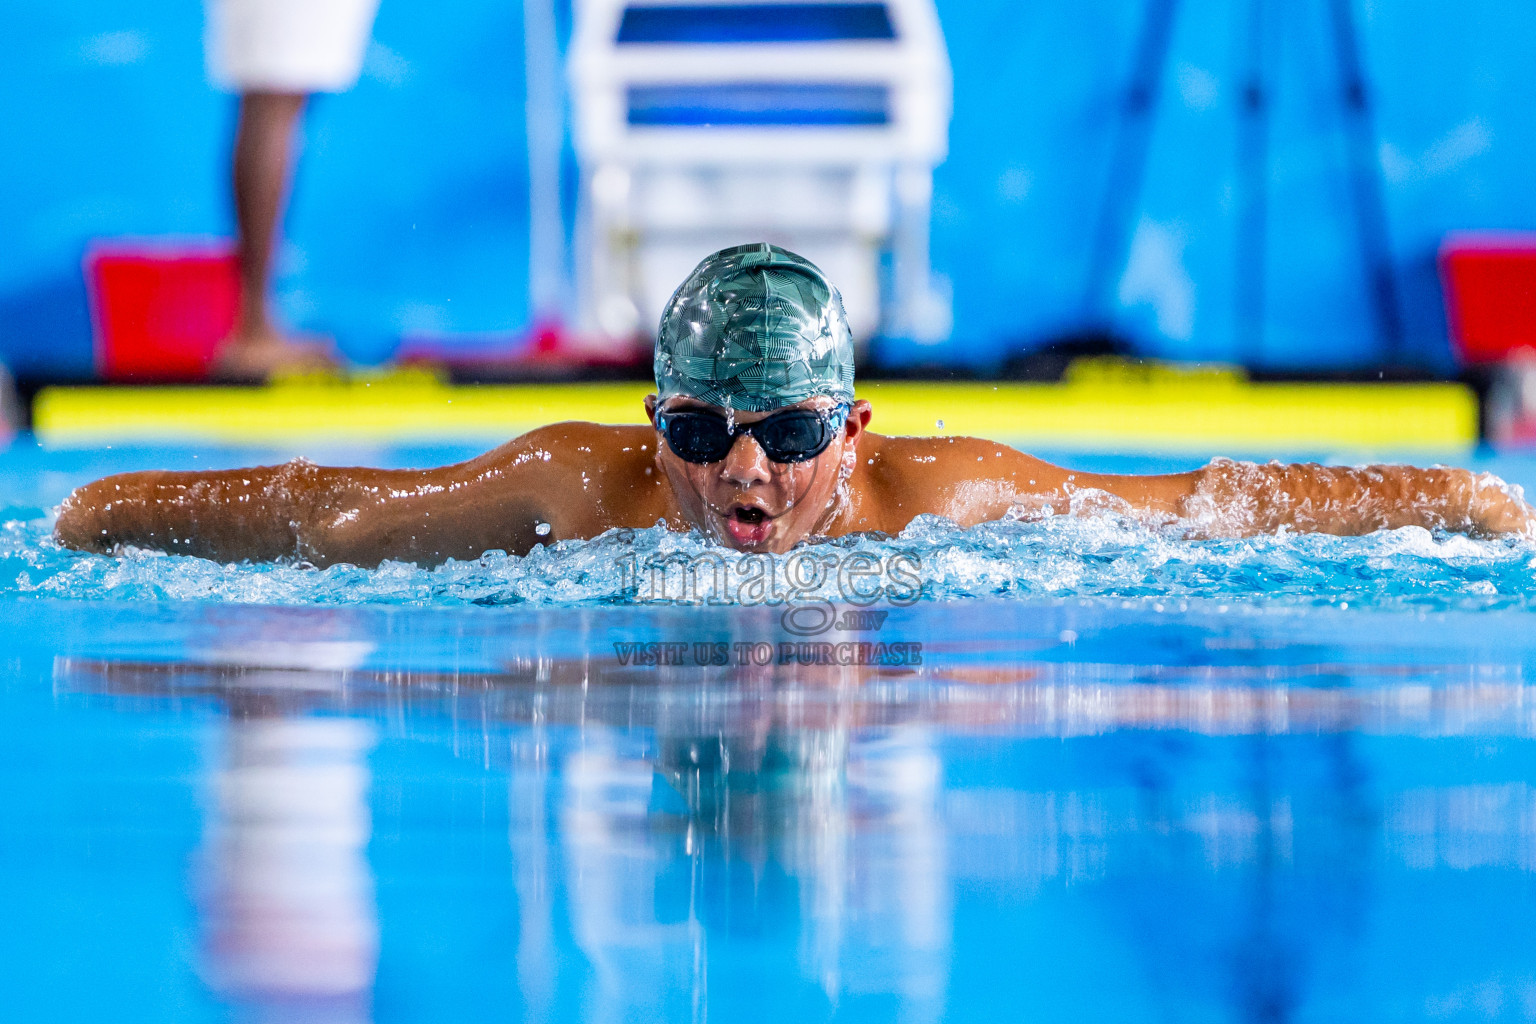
757, 440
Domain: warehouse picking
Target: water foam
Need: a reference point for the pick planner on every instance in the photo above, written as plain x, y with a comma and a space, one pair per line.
1105, 556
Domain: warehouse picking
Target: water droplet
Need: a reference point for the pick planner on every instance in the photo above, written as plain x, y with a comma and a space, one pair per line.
939, 424
542, 529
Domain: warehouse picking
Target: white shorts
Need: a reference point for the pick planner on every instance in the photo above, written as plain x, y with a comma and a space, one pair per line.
287, 45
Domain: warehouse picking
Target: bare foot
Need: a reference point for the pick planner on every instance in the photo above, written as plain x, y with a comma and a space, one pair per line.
257, 358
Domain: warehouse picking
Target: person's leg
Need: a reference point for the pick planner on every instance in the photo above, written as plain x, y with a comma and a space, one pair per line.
263, 161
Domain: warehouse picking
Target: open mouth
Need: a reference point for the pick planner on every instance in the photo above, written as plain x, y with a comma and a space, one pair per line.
748, 525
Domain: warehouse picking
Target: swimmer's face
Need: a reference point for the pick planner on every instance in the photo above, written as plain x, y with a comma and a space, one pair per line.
746, 500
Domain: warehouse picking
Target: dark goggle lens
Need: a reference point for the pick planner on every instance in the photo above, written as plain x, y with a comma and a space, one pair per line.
796, 436
793, 436
697, 437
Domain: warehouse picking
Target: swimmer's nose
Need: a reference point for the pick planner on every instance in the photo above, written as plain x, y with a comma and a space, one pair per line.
746, 463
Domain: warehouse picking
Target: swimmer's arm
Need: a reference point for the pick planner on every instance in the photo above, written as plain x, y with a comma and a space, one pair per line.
1243, 498
322, 514
1227, 498
970, 481
254, 513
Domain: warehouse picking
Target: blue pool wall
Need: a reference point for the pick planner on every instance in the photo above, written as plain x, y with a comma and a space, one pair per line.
410, 215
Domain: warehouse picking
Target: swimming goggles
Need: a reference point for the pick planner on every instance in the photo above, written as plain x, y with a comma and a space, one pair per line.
794, 435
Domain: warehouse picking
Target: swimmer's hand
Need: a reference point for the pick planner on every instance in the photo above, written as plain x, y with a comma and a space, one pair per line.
1244, 498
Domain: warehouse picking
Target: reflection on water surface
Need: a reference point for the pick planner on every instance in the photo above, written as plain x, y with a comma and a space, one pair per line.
1223, 841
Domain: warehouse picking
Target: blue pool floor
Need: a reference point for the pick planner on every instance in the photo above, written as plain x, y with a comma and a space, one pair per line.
1207, 807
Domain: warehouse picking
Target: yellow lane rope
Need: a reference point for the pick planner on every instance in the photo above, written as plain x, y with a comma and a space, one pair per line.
1101, 405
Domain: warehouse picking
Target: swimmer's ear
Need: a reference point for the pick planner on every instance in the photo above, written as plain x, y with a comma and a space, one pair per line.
858, 419
650, 408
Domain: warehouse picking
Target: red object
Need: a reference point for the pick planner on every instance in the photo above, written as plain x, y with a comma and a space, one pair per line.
1490, 294
159, 312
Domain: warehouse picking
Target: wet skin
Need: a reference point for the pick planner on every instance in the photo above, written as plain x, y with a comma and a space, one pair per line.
576, 480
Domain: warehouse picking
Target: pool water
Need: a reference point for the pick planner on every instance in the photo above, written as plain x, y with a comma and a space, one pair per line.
1082, 771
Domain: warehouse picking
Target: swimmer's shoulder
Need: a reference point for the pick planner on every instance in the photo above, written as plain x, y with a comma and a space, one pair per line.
580, 445
967, 479
591, 476
936, 462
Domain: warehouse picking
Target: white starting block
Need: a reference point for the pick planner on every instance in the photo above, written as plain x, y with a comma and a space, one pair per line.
812, 125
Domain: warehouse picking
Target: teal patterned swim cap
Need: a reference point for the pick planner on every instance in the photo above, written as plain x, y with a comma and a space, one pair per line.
754, 328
